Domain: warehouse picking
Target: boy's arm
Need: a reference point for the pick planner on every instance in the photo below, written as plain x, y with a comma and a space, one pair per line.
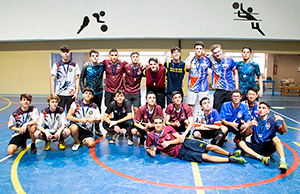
52, 83
128, 117
150, 152
82, 77
167, 121
283, 124
175, 141
106, 118
76, 87
236, 78
70, 116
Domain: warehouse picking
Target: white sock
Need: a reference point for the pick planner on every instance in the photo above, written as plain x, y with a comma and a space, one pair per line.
282, 160
259, 157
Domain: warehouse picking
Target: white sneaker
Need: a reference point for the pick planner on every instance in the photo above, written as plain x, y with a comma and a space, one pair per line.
130, 142
75, 146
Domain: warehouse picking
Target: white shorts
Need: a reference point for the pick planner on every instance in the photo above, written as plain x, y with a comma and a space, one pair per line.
194, 98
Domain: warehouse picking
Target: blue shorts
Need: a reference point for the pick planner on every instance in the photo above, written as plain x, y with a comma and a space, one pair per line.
264, 149
192, 150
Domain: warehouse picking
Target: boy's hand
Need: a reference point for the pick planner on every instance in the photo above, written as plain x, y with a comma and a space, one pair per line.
277, 117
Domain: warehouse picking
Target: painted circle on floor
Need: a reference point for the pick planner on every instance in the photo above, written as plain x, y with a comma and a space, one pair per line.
292, 168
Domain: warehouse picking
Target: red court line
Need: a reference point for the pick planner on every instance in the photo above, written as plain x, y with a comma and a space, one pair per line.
289, 171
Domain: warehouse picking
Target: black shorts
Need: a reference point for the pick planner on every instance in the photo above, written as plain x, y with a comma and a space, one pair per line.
20, 139
264, 149
143, 132
134, 99
209, 134
109, 97
181, 128
65, 101
192, 150
84, 134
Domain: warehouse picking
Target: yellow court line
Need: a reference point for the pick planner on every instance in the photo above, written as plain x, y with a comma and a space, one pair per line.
296, 143
293, 128
14, 174
197, 177
7, 105
14, 171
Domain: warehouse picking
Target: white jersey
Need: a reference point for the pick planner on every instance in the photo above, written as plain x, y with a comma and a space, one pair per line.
52, 121
65, 77
82, 110
19, 117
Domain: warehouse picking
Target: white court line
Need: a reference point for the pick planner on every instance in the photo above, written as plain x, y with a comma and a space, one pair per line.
8, 156
286, 117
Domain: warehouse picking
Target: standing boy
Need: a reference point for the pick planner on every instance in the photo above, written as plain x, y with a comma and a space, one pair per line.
133, 77
22, 122
65, 78
83, 115
52, 124
175, 73
114, 75
92, 76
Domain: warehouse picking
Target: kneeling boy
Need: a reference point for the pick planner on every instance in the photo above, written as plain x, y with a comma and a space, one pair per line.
23, 122
52, 123
83, 115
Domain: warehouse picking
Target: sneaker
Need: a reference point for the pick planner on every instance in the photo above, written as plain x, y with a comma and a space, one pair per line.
236, 153
266, 160
33, 149
239, 160
108, 135
61, 145
75, 146
283, 167
130, 141
47, 145
113, 138
99, 133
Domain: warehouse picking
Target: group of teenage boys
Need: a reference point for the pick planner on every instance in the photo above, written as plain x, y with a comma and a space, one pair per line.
169, 131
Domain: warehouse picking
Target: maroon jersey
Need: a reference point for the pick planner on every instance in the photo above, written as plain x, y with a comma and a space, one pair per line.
143, 114
184, 112
158, 84
167, 135
133, 77
114, 75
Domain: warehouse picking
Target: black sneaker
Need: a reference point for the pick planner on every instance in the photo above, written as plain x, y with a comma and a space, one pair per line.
142, 142
113, 138
33, 149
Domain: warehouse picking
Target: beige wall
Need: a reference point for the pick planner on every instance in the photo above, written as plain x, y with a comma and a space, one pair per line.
25, 66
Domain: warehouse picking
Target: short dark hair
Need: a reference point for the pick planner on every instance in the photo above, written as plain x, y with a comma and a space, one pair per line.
88, 89
252, 89
214, 46
265, 103
93, 51
65, 47
175, 48
113, 50
26, 96
175, 92
134, 53
204, 98
246, 47
236, 91
150, 92
158, 116
118, 92
198, 43
153, 59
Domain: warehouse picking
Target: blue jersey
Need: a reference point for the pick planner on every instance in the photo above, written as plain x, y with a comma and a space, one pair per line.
247, 72
265, 130
175, 74
222, 74
198, 75
93, 76
230, 114
213, 118
252, 110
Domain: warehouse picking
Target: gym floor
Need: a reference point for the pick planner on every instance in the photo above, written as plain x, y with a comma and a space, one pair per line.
119, 168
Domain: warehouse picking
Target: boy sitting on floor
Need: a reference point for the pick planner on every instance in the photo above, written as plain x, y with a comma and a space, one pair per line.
264, 141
